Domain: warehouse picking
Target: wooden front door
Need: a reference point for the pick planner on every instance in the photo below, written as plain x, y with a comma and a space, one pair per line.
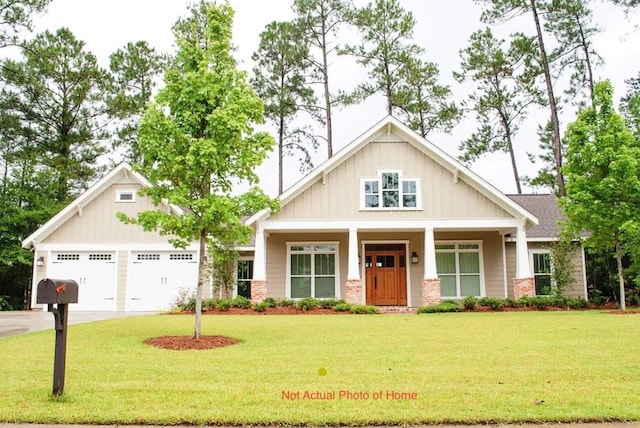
385, 275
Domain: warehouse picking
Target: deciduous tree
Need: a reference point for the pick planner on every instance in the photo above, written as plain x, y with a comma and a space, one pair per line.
197, 141
603, 179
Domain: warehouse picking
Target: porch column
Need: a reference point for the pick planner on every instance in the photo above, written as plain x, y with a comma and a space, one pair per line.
523, 283
259, 281
430, 281
353, 286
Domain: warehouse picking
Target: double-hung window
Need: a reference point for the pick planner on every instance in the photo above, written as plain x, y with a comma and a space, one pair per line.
541, 265
459, 267
244, 276
312, 270
390, 190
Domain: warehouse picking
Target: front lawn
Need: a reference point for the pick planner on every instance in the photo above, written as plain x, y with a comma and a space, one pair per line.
326, 369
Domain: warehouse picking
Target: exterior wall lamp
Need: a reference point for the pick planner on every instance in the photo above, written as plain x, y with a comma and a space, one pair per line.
414, 257
40, 261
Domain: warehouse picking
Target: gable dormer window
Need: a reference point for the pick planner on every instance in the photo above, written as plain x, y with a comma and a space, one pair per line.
390, 191
125, 196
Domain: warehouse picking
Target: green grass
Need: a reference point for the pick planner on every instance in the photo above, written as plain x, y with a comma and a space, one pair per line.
464, 368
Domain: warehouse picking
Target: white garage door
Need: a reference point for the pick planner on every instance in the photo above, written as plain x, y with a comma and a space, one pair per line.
95, 273
155, 278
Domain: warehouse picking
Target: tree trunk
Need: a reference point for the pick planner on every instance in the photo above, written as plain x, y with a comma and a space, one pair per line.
280, 154
623, 306
327, 94
555, 123
587, 59
202, 276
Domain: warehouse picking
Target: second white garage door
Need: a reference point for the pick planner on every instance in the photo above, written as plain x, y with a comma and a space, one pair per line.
155, 278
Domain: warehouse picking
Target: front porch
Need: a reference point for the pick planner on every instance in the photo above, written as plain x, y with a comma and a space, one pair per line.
390, 264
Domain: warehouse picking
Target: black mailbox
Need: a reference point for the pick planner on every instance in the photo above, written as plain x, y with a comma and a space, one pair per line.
51, 291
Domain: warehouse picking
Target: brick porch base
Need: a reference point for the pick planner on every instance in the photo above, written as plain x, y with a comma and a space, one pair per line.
259, 291
353, 291
431, 291
523, 287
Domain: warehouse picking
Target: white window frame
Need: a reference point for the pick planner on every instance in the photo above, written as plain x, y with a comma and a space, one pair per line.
121, 192
401, 180
456, 250
336, 253
235, 285
531, 265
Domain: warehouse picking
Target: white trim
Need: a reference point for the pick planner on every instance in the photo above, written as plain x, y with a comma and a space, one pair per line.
401, 179
97, 246
584, 273
407, 263
456, 251
504, 267
441, 225
533, 251
386, 125
121, 192
234, 292
84, 199
336, 273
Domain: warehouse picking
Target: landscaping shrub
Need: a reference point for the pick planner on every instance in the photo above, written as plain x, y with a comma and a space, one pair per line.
308, 303
261, 307
526, 302
270, 302
510, 302
241, 302
445, 306
492, 302
207, 304
577, 303
342, 307
185, 300
286, 303
223, 304
469, 303
329, 303
364, 309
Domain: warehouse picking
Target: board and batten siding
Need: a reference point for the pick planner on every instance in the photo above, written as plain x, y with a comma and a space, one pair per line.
123, 267
339, 196
97, 222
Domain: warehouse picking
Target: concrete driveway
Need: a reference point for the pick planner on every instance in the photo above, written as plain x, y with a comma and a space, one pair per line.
19, 322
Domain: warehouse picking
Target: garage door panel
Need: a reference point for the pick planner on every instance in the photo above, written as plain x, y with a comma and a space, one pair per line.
155, 279
95, 273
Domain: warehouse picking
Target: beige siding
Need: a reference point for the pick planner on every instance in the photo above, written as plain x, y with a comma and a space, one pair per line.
574, 290
97, 222
339, 196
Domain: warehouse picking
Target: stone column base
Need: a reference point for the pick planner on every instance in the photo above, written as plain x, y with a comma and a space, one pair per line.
523, 287
353, 291
431, 291
259, 290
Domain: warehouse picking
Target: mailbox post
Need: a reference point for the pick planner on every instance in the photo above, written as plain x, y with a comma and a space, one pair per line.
59, 292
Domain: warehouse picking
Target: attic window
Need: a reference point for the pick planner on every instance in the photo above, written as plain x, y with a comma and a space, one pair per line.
390, 191
125, 196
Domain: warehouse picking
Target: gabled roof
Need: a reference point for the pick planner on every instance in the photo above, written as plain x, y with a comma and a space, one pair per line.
122, 170
546, 208
388, 126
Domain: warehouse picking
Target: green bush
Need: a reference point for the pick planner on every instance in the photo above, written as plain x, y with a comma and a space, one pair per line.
5, 303
223, 304
364, 309
329, 303
492, 302
261, 307
342, 307
526, 302
185, 301
577, 303
270, 302
207, 304
510, 302
308, 303
633, 300
241, 302
470, 302
286, 303
445, 306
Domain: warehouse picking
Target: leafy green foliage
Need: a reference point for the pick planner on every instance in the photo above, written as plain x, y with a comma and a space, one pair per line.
494, 303
197, 141
15, 15
444, 306
342, 307
469, 303
308, 303
603, 171
241, 302
364, 309
330, 303
261, 306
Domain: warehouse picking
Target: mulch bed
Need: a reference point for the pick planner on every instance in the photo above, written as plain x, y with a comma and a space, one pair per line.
183, 343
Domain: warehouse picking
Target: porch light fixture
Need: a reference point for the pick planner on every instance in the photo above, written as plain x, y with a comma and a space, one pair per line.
414, 257
40, 261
